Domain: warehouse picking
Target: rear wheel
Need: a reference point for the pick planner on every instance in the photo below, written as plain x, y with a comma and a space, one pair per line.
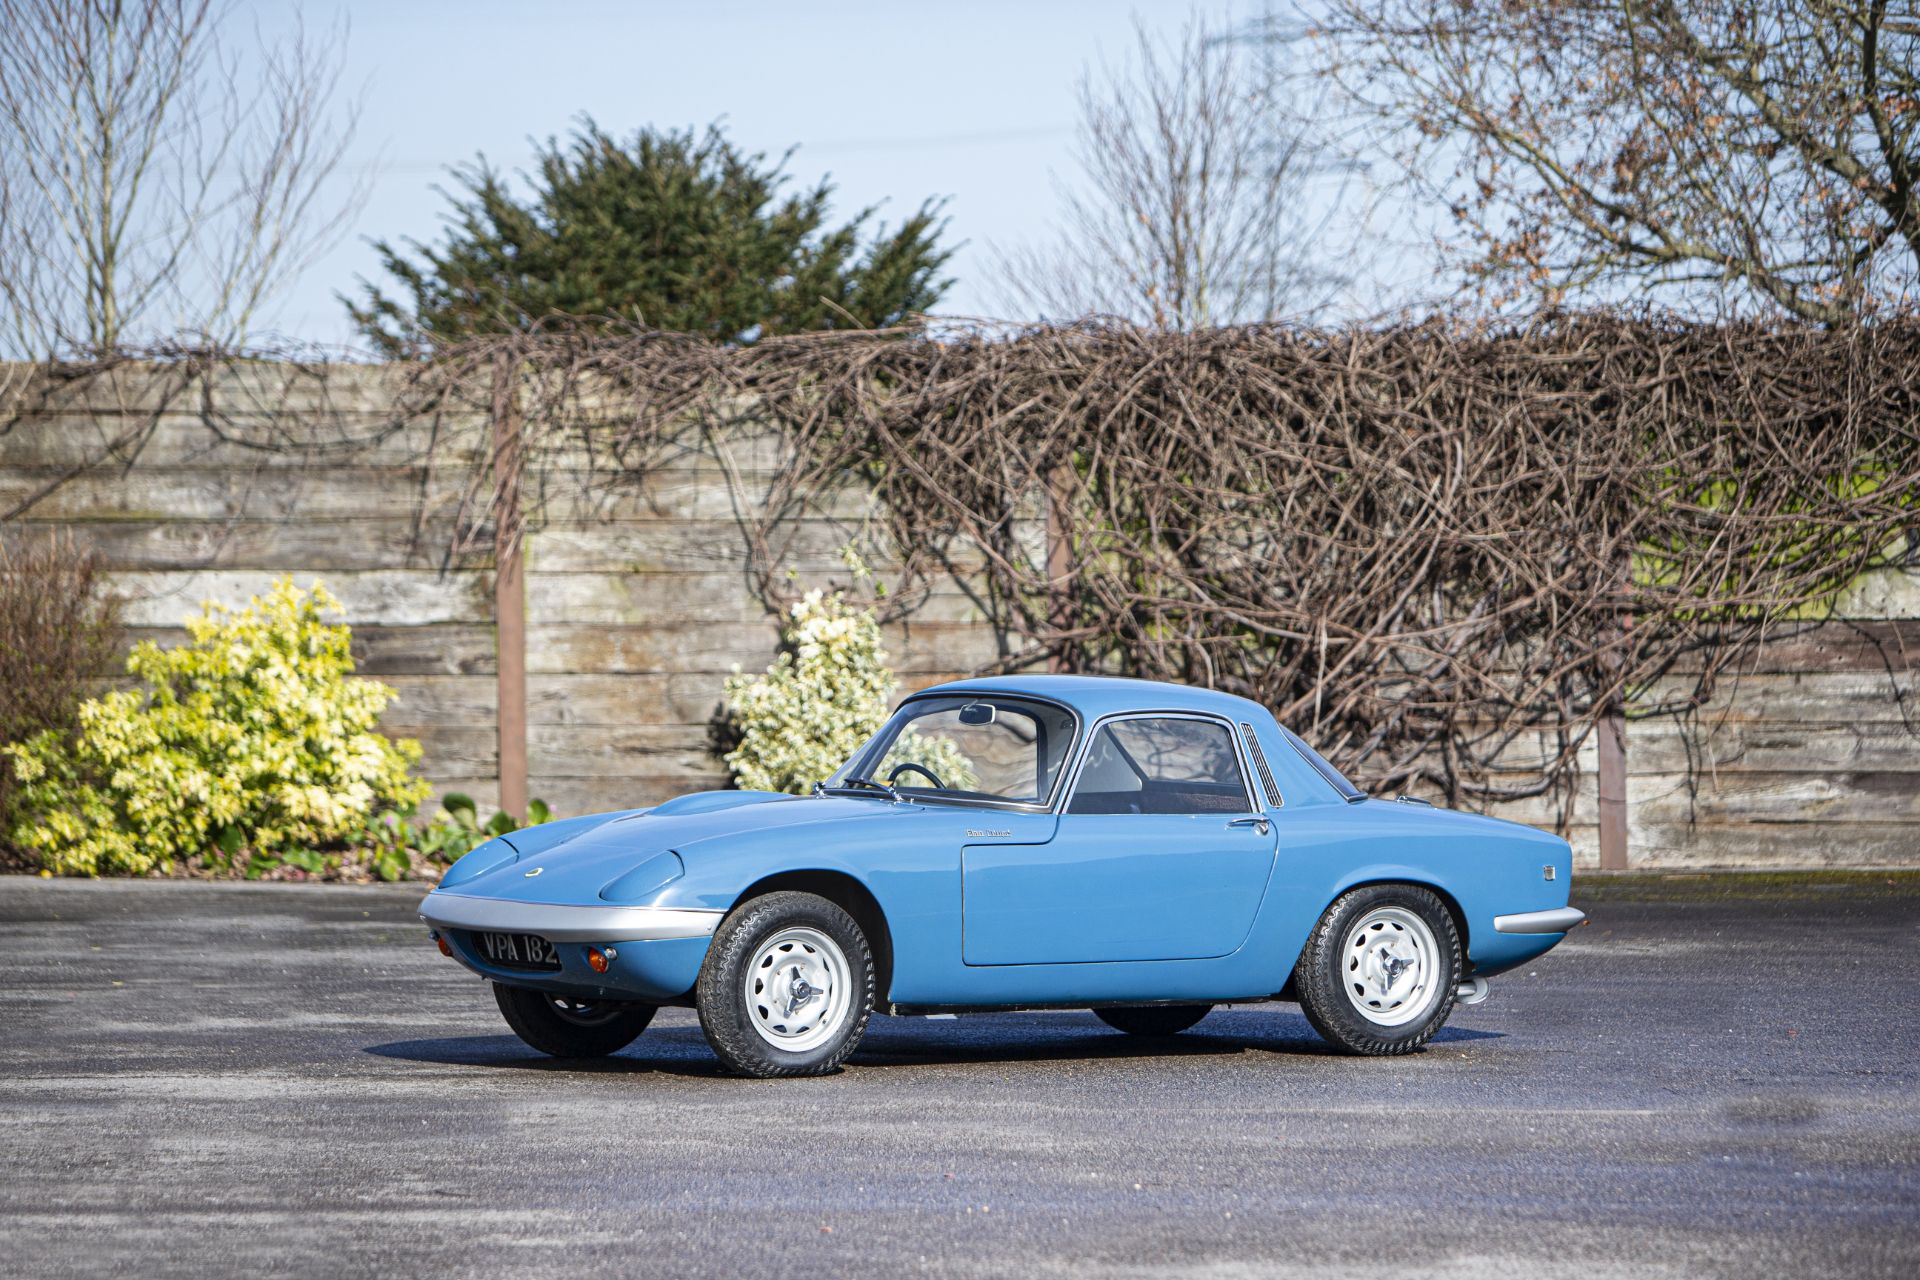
1378, 975
787, 986
567, 1028
1153, 1019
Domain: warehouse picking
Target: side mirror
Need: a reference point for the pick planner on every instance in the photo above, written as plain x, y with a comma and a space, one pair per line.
977, 713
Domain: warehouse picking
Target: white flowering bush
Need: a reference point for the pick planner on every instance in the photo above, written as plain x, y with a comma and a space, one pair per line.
824, 695
250, 747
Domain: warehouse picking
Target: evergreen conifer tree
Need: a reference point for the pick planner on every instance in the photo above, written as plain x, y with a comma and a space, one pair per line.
676, 230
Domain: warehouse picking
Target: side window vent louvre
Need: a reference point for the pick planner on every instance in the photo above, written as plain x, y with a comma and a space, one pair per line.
1260, 763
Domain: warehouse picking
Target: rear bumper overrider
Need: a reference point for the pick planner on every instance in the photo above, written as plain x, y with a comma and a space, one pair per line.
1558, 920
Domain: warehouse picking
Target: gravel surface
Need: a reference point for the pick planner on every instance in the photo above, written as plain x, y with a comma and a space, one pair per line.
1713, 1078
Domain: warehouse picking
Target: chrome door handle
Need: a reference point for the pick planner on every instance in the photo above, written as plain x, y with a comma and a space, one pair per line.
1258, 822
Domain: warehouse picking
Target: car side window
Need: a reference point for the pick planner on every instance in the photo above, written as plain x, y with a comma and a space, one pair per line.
1161, 764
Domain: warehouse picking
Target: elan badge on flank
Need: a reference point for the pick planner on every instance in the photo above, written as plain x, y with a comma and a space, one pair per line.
536, 871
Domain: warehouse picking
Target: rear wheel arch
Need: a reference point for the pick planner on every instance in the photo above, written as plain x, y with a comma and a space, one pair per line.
1447, 900
852, 897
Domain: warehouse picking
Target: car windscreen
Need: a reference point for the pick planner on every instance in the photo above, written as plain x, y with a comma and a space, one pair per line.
984, 747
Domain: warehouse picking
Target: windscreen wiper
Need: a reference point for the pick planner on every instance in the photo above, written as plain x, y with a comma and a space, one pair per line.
852, 784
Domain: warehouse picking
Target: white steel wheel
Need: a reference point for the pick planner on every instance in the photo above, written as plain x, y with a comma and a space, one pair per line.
787, 986
798, 988
1391, 966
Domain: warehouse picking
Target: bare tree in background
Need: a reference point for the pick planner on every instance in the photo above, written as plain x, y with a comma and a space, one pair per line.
1767, 150
1197, 203
147, 187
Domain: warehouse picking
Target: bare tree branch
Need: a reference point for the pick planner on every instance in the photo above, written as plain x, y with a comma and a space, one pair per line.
1596, 148
147, 187
1199, 201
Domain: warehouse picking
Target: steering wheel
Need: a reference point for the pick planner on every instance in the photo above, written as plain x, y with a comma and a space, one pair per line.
905, 765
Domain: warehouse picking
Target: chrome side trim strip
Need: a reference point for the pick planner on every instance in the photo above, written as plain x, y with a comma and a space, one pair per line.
560, 923
1558, 920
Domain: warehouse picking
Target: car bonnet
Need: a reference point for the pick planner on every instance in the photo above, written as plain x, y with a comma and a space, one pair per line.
575, 870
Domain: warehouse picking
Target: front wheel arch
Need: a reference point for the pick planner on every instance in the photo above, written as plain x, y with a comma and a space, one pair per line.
852, 897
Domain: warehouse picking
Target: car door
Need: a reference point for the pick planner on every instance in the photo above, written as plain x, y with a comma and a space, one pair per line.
1161, 853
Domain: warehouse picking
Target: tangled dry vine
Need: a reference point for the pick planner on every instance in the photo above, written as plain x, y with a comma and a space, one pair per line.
1443, 551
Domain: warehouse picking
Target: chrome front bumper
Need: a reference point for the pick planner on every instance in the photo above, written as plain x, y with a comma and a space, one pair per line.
558, 923
1558, 920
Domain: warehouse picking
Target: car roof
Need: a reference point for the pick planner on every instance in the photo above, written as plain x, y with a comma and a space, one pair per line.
1096, 696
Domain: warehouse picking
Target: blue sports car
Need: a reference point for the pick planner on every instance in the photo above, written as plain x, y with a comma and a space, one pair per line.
1144, 850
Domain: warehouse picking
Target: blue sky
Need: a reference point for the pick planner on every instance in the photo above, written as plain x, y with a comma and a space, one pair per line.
899, 101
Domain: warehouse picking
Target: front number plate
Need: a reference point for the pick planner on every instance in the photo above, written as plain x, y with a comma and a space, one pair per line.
518, 950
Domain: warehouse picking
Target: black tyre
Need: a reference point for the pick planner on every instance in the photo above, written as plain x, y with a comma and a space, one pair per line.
787, 986
1378, 975
1153, 1019
571, 1028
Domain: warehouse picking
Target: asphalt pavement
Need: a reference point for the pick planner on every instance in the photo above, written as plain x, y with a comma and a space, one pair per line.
1714, 1078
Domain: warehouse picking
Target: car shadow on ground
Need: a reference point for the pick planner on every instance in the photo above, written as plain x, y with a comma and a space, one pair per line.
681, 1049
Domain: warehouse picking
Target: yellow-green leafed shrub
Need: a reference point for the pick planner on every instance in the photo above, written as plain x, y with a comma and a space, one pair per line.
252, 743
824, 695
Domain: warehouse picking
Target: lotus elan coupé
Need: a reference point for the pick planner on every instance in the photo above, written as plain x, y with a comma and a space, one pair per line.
1144, 850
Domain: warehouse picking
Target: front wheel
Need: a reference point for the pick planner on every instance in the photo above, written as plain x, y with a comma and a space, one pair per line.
1378, 975
567, 1028
787, 986
1153, 1019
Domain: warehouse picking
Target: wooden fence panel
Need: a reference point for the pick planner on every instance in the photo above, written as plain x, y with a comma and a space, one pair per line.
637, 608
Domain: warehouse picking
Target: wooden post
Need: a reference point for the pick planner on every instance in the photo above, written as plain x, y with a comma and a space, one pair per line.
1613, 789
1059, 559
1612, 729
509, 593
